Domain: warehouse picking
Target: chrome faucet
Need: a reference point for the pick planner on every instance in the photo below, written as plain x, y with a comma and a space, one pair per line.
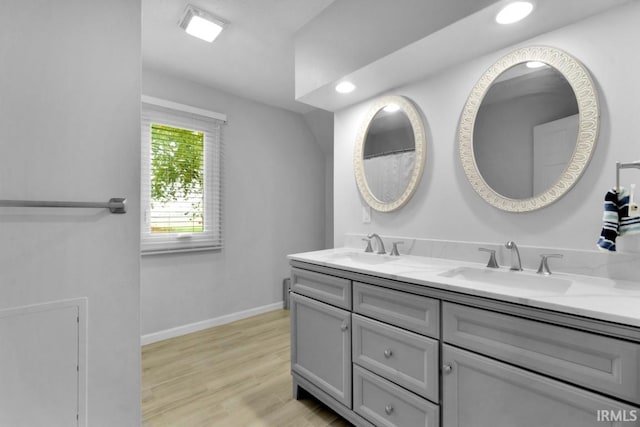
516, 264
379, 243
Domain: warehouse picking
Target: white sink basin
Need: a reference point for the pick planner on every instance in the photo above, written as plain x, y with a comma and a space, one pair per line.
511, 279
362, 257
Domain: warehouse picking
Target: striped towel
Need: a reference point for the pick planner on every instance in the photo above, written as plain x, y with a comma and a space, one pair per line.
615, 219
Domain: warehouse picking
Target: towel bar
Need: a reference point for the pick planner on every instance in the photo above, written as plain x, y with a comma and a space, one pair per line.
115, 205
620, 165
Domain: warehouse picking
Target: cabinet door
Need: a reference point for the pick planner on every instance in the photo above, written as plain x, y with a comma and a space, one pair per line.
40, 364
321, 346
482, 392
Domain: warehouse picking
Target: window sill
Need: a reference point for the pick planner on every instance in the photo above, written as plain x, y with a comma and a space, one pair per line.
150, 252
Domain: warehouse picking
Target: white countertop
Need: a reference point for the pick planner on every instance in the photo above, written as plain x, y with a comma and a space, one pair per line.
595, 297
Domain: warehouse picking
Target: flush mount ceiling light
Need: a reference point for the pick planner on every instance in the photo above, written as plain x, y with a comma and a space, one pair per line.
201, 24
345, 87
514, 12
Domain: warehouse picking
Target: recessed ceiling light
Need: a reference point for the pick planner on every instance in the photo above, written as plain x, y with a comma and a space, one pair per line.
391, 108
514, 12
201, 24
345, 87
535, 64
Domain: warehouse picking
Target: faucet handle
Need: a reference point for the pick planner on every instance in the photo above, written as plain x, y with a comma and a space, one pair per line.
544, 264
368, 248
394, 250
492, 258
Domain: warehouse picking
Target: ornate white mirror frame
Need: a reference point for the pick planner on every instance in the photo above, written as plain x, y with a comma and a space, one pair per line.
588, 122
417, 125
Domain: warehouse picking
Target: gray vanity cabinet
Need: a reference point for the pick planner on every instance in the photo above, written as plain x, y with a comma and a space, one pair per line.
380, 362
397, 354
321, 346
479, 391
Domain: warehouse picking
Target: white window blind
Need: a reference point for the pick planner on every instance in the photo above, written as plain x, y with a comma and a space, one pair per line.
181, 187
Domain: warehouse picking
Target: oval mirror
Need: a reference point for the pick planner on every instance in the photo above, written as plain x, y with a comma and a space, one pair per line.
389, 153
528, 129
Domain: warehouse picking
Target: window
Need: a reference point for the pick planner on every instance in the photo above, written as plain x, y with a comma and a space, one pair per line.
181, 178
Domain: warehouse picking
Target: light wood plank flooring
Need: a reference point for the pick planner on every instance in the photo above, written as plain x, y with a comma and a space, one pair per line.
232, 375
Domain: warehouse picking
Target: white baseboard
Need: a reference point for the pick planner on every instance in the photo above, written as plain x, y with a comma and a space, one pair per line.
209, 323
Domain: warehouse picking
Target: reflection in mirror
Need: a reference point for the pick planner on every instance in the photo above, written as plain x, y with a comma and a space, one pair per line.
526, 130
389, 154
529, 128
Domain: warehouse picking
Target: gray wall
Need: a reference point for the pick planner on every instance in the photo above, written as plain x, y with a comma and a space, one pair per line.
274, 204
321, 124
70, 119
446, 207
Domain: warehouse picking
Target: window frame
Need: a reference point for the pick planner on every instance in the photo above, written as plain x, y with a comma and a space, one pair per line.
159, 111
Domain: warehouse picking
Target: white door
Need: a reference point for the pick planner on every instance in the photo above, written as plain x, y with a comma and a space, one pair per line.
553, 145
69, 120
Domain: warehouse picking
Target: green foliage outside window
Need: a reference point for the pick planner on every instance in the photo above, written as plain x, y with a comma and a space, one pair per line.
177, 173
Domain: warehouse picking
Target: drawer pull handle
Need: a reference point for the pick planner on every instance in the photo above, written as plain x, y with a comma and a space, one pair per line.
447, 368
388, 409
388, 353
344, 326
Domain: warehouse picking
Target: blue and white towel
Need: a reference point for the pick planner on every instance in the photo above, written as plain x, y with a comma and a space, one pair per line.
615, 219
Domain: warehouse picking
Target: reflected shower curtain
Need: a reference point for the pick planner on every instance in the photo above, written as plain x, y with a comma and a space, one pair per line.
389, 175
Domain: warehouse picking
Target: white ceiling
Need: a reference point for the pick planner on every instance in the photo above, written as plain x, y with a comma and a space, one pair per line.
470, 37
255, 56
252, 58
352, 34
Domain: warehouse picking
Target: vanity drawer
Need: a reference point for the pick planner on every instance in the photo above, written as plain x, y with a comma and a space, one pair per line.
385, 404
413, 312
597, 362
330, 289
406, 358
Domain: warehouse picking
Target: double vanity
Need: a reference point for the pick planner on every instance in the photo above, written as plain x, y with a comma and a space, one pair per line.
417, 341
435, 342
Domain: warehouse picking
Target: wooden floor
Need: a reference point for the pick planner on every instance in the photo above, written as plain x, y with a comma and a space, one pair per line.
232, 375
